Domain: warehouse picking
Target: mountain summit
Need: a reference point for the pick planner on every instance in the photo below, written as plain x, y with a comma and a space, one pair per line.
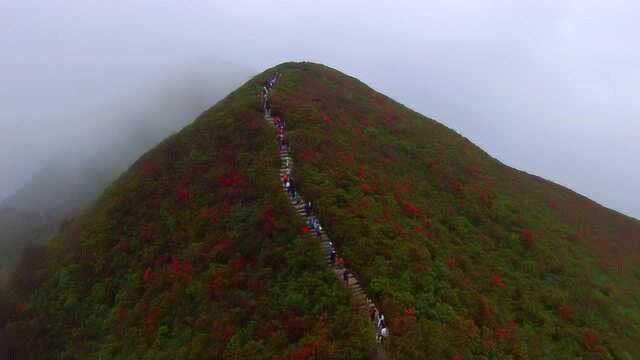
196, 252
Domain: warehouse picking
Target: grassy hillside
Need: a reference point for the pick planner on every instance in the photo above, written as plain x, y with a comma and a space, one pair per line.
195, 252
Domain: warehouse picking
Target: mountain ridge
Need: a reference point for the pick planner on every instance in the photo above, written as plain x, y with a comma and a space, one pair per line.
467, 257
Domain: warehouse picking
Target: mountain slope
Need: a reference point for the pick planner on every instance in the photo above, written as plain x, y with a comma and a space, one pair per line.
196, 252
193, 252
492, 260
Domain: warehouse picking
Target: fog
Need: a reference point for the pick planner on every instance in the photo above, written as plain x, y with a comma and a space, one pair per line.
545, 86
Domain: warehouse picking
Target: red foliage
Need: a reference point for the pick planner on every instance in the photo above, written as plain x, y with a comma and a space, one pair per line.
410, 312
223, 331
456, 186
231, 179
528, 238
362, 173
268, 221
565, 312
456, 357
348, 160
364, 204
367, 189
149, 168
506, 331
121, 314
151, 321
306, 351
182, 269
411, 209
148, 275
307, 154
183, 194
239, 264
589, 340
212, 214
216, 285
327, 120
20, 308
497, 281
305, 230
452, 263
255, 285
222, 246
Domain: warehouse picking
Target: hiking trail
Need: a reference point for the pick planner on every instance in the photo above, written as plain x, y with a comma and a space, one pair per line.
360, 298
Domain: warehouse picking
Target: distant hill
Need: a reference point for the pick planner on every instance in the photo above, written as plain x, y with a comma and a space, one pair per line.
194, 252
72, 180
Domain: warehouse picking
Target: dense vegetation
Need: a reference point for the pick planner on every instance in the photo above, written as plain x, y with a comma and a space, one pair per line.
194, 253
467, 257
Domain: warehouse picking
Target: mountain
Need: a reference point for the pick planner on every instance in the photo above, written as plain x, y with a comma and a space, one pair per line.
195, 252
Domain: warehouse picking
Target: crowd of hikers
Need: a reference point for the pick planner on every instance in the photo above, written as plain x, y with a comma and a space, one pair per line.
290, 187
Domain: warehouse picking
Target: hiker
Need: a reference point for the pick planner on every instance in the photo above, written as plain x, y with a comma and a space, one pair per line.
333, 257
267, 107
381, 325
382, 334
307, 208
345, 276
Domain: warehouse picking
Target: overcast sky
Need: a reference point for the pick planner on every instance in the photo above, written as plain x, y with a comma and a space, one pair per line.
549, 87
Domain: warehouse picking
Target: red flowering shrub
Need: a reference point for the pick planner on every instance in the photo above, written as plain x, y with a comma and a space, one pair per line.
362, 173
306, 351
411, 209
212, 214
528, 238
222, 246
231, 179
268, 221
497, 281
565, 312
216, 285
151, 320
183, 194
239, 264
327, 120
182, 269
307, 154
506, 331
367, 189
21, 307
149, 168
121, 314
410, 312
589, 340
148, 275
